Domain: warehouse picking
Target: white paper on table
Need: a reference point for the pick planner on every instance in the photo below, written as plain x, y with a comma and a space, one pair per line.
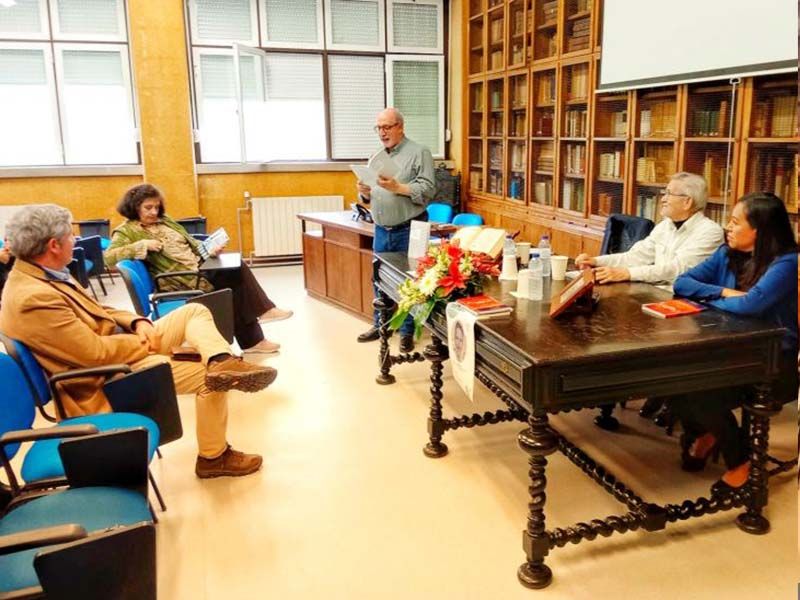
461, 342
418, 238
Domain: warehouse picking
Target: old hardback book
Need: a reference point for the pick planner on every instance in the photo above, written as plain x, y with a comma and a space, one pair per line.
483, 305
672, 308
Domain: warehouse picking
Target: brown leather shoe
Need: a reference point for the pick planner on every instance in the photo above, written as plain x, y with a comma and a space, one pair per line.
233, 373
230, 463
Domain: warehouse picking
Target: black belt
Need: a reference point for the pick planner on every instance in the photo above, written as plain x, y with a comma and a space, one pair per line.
423, 216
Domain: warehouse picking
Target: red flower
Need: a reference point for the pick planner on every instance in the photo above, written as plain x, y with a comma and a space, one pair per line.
454, 252
454, 279
483, 264
424, 263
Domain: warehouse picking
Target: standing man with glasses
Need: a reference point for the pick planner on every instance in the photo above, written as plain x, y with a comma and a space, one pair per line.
396, 201
684, 238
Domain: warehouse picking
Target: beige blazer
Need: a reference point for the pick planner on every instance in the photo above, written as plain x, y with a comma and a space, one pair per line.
67, 329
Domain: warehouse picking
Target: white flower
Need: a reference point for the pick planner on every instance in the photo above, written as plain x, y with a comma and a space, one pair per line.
429, 282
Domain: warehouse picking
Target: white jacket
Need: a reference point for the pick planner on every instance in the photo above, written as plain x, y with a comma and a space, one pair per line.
667, 251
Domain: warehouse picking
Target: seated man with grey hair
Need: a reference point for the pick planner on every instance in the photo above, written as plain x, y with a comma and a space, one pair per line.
44, 308
684, 238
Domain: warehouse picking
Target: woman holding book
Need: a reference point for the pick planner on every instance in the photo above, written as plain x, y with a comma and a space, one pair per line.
755, 275
150, 235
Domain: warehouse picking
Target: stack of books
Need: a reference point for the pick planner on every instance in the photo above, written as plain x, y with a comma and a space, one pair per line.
575, 123
550, 12
579, 36
484, 306
545, 159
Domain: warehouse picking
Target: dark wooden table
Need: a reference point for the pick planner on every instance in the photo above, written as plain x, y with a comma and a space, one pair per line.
539, 366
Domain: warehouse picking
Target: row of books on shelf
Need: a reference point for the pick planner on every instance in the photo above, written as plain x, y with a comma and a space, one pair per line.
578, 38
778, 173
573, 195
545, 161
495, 183
575, 158
578, 82
619, 123
775, 117
607, 204
496, 30
547, 44
517, 125
646, 205
496, 60
611, 165
475, 180
516, 187
547, 89
658, 120
655, 168
714, 172
549, 11
575, 123
717, 213
496, 124
517, 156
543, 192
495, 156
544, 123
579, 6
710, 122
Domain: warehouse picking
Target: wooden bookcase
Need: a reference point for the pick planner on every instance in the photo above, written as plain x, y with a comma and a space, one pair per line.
547, 154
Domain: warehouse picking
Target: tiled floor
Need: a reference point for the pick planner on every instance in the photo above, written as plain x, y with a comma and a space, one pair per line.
347, 506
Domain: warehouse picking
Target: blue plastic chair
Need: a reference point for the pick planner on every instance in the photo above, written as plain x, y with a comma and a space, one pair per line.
440, 213
91, 507
146, 301
467, 219
24, 391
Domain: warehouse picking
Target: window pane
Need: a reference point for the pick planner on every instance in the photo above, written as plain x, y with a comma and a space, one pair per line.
415, 25
28, 129
219, 123
292, 23
356, 97
355, 22
224, 20
289, 123
89, 17
415, 86
97, 119
22, 17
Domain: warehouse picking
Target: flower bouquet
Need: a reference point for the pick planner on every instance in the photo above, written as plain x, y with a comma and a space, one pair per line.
444, 274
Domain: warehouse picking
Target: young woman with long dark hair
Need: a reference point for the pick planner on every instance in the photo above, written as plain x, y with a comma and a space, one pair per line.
753, 274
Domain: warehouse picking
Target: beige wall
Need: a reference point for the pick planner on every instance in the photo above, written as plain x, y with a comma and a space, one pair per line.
161, 75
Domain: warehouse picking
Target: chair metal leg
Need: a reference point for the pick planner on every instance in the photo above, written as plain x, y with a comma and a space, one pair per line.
102, 286
91, 287
110, 274
158, 453
156, 490
152, 511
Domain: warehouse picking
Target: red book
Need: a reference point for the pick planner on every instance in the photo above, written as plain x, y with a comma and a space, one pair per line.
483, 305
672, 308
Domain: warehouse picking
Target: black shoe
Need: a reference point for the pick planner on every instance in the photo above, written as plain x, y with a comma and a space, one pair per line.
650, 407
406, 343
663, 418
372, 334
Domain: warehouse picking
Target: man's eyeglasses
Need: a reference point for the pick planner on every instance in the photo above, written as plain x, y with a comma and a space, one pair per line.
665, 192
384, 128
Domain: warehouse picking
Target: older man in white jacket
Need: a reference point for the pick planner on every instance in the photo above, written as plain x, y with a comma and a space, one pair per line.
684, 238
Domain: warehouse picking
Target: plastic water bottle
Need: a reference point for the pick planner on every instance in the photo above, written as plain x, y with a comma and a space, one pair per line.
537, 285
509, 247
544, 254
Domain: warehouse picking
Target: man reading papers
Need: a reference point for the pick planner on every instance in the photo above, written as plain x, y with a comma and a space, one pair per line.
396, 200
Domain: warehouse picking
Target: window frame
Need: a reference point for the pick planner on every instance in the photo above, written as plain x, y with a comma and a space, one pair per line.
44, 27
195, 34
394, 58
381, 45
47, 47
266, 43
58, 36
391, 47
58, 61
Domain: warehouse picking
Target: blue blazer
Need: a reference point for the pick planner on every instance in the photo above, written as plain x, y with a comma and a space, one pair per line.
773, 297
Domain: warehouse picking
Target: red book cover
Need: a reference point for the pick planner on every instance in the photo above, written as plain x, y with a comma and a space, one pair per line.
483, 304
672, 308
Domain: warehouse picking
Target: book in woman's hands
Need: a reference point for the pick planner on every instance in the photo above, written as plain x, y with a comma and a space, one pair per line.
483, 305
218, 239
672, 308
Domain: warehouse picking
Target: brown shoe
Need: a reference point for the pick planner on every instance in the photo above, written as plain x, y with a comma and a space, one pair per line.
233, 373
230, 463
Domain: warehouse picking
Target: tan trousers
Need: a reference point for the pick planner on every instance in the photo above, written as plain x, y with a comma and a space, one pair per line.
194, 325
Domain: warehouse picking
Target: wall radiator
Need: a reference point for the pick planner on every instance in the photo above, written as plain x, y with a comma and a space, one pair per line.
276, 229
